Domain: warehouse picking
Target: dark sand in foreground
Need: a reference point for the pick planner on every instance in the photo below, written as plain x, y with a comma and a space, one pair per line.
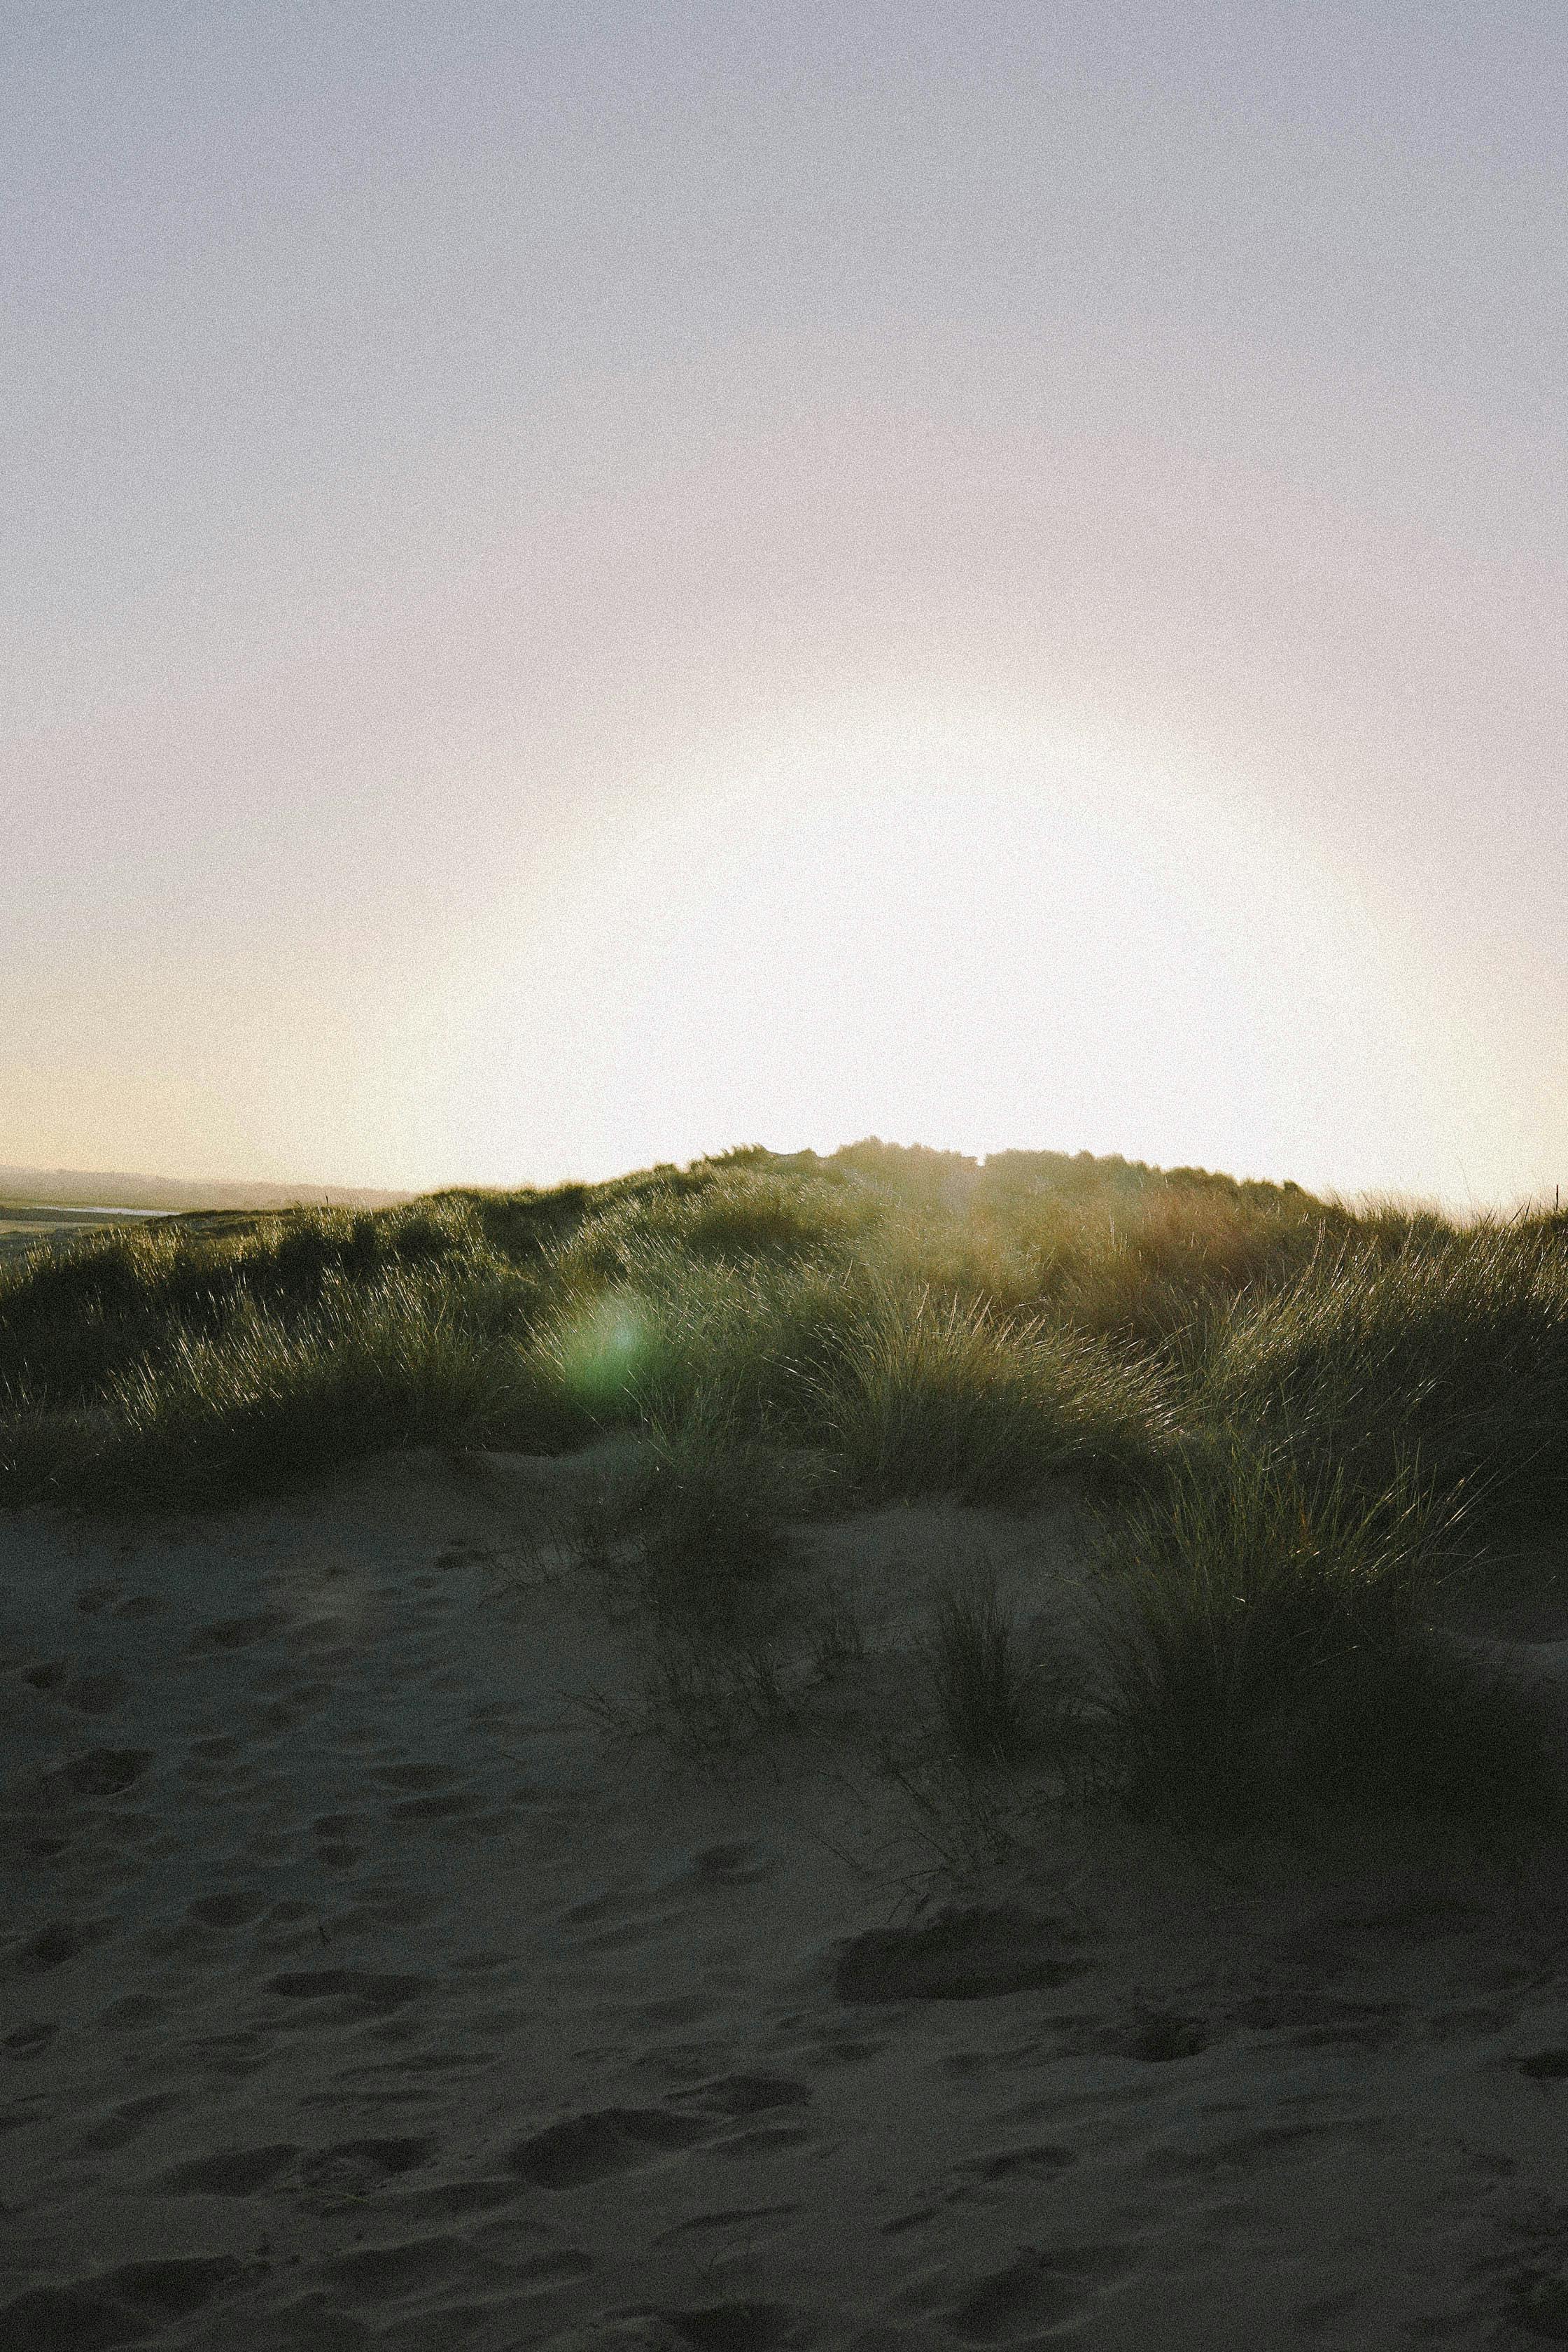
362, 1985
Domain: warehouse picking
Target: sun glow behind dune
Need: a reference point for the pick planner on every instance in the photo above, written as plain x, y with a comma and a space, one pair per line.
960, 931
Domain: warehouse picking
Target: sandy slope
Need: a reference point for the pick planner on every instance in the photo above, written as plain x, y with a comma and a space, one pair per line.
358, 1990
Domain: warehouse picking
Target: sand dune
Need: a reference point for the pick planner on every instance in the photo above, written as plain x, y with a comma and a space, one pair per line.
367, 1981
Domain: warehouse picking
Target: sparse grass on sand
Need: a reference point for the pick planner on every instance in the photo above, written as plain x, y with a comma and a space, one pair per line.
1261, 1393
999, 1698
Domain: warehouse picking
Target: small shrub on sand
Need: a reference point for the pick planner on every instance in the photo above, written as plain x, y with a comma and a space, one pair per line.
694, 1524
1267, 1662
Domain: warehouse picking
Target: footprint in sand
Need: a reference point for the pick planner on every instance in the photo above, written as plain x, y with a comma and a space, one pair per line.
715, 2327
1164, 2037
228, 2171
236, 1632
28, 2041
361, 1987
746, 2218
116, 2306
584, 2148
1544, 2066
746, 2095
380, 2274
59, 1940
1033, 2292
1035, 2162
337, 1837
975, 1955
118, 2129
104, 1771
95, 1597
441, 1805
733, 1861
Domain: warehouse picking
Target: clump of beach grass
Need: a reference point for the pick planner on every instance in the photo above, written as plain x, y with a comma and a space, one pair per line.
72, 1320
995, 1702
1411, 1337
710, 1511
1267, 1663
921, 1396
399, 1362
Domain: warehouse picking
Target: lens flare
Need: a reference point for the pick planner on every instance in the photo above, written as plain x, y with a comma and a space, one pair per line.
604, 1349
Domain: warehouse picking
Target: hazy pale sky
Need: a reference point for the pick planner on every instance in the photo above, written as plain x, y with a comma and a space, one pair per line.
586, 583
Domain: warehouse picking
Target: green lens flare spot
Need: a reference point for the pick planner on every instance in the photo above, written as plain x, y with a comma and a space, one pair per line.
605, 1349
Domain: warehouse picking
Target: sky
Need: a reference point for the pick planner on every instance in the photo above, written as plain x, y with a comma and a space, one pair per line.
583, 584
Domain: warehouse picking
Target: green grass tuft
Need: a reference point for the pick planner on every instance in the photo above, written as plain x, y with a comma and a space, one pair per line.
922, 1396
1410, 1337
404, 1362
709, 1512
993, 1700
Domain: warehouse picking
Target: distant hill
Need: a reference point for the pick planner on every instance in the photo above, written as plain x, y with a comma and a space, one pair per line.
98, 1188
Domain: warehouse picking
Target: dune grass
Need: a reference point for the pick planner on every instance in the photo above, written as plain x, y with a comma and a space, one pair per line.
1409, 1337
72, 1320
932, 1326
1260, 1390
400, 1361
998, 1702
707, 1513
1269, 1662
921, 1395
